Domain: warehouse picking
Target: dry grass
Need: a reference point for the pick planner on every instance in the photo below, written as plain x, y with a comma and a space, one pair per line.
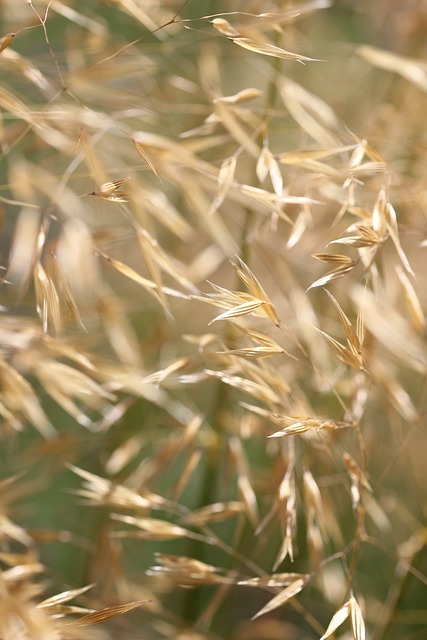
212, 332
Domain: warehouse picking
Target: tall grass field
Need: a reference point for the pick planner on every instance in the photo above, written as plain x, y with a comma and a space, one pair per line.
213, 288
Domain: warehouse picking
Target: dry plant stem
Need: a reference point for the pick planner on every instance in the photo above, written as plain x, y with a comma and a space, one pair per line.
51, 51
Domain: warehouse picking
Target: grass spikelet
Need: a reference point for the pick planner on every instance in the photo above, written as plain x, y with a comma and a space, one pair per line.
301, 425
274, 580
108, 612
101, 491
154, 529
6, 41
268, 49
289, 592
337, 620
185, 571
215, 512
225, 178
249, 279
112, 191
47, 297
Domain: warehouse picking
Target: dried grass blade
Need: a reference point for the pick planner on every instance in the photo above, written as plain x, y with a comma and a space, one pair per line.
337, 619
357, 477
412, 301
408, 68
231, 123
154, 528
348, 356
267, 164
306, 424
225, 179
262, 392
255, 352
162, 210
155, 255
313, 115
173, 562
102, 491
241, 310
267, 49
254, 286
316, 513
19, 397
130, 273
392, 330
396, 394
107, 613
300, 225
274, 580
393, 230
14, 532
189, 468
333, 258
144, 155
350, 333
123, 454
269, 199
47, 299
333, 275
297, 156
75, 257
262, 165
66, 292
357, 622
282, 597
65, 596
360, 324
262, 339
216, 512
359, 241
22, 572
10, 103
186, 571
